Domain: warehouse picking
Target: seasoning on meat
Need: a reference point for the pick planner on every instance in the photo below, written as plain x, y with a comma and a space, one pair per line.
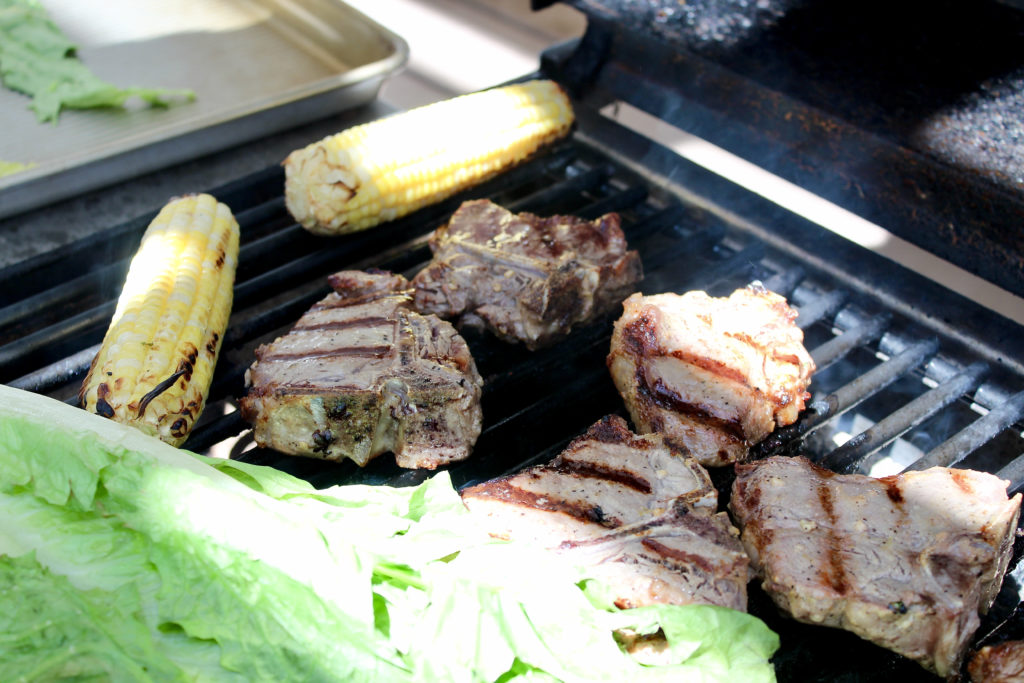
713, 375
640, 514
526, 278
906, 561
361, 374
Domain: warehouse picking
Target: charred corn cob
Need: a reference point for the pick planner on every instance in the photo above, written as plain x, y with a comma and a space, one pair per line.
382, 170
154, 367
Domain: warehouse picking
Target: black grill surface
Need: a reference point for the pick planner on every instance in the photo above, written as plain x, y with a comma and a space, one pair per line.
908, 372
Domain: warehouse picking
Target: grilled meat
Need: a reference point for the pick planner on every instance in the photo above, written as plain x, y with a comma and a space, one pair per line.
361, 374
1002, 663
906, 561
641, 514
713, 375
526, 278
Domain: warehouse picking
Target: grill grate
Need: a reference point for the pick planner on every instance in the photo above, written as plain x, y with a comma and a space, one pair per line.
890, 388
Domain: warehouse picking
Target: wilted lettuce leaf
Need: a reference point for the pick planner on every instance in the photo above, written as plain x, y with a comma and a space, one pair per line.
37, 59
11, 167
133, 557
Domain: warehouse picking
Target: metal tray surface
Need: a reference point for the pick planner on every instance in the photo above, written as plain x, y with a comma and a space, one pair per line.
257, 67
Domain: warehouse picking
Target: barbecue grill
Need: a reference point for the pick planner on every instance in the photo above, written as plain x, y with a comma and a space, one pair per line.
910, 374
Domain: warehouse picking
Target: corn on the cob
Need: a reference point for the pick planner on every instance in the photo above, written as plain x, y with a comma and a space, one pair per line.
154, 367
379, 171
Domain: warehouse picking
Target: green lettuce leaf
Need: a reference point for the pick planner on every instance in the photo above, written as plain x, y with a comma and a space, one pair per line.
37, 59
12, 167
133, 560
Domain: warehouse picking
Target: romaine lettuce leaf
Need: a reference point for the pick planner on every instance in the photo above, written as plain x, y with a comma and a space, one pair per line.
12, 167
175, 565
38, 60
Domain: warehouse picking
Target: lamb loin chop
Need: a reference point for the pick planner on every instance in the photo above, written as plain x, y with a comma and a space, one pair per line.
526, 278
362, 373
906, 561
640, 514
713, 375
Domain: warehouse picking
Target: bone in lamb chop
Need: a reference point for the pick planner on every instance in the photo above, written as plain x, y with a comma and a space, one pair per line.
712, 375
907, 561
526, 278
639, 514
361, 374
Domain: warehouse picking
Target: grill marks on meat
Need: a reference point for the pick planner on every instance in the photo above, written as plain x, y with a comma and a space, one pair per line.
907, 561
713, 375
361, 374
639, 513
526, 278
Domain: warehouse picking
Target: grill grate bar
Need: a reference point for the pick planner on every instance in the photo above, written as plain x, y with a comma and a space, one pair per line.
266, 217
1014, 473
267, 321
208, 435
737, 267
54, 341
67, 295
837, 347
786, 281
563, 196
52, 376
620, 201
850, 455
566, 411
886, 373
974, 435
820, 410
820, 307
274, 248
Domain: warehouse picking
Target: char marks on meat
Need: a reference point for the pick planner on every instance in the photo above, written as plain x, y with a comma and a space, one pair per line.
526, 278
714, 375
907, 561
641, 515
361, 374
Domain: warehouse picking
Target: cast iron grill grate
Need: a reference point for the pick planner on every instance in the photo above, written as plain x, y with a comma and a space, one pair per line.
890, 390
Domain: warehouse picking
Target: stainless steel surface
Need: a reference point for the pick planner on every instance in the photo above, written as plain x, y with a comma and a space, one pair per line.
59, 223
257, 67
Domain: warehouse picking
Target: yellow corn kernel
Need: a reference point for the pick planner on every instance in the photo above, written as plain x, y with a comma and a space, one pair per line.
154, 368
385, 169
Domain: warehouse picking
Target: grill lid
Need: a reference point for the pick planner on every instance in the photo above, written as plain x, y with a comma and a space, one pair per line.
907, 114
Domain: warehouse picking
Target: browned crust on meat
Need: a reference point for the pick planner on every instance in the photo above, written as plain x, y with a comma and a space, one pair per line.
361, 374
661, 395
595, 471
353, 352
368, 321
834, 572
643, 515
907, 561
667, 349
508, 492
527, 278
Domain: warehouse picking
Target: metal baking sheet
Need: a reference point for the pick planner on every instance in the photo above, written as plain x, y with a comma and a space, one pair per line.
256, 66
